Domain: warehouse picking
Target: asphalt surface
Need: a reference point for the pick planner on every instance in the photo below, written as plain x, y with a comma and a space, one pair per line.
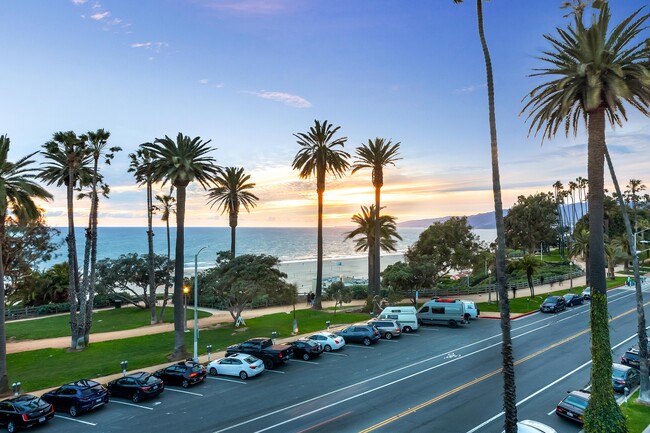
437, 379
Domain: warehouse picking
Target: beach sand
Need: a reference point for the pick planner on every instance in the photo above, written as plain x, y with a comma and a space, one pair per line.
303, 273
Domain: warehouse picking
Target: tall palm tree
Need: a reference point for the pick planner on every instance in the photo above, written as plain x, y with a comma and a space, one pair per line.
529, 264
67, 161
229, 193
181, 162
376, 155
318, 156
141, 166
509, 388
18, 189
597, 71
96, 142
166, 207
364, 234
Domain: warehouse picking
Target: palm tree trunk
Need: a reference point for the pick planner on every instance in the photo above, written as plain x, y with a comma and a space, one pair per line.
319, 255
150, 259
376, 279
73, 268
509, 388
4, 379
93, 263
179, 269
233, 233
166, 295
603, 413
644, 391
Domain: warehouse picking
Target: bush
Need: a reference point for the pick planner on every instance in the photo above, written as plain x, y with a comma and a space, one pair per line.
359, 291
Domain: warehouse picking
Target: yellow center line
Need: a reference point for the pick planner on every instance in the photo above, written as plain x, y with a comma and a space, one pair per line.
487, 376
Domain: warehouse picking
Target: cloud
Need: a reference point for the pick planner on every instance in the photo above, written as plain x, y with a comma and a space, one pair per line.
470, 89
78, 2
100, 16
288, 99
157, 46
204, 81
249, 7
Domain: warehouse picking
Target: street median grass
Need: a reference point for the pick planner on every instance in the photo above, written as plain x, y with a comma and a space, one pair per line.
40, 369
526, 304
117, 319
637, 414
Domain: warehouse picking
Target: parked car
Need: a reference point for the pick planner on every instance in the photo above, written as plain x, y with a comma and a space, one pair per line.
328, 340
586, 293
265, 349
306, 348
77, 397
387, 328
624, 376
360, 334
632, 357
136, 386
443, 310
529, 426
24, 411
184, 373
573, 406
405, 315
553, 304
239, 364
571, 299
471, 310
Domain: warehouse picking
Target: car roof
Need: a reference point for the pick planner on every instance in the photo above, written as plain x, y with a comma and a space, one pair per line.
621, 367
83, 384
581, 393
530, 426
22, 398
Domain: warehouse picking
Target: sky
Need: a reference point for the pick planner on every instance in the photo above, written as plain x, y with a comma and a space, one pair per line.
248, 74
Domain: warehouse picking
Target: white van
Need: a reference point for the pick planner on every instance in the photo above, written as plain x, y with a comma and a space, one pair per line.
406, 316
449, 311
471, 310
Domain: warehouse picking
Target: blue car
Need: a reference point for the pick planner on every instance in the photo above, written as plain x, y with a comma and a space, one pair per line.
77, 397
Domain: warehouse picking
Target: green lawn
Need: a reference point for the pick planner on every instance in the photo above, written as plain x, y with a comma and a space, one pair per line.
525, 304
46, 368
117, 319
638, 415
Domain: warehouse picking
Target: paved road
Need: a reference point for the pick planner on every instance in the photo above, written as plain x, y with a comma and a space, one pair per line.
439, 379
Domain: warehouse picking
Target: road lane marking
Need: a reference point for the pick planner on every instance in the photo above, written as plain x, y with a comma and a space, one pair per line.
241, 382
360, 347
76, 420
320, 424
410, 334
274, 371
184, 392
132, 404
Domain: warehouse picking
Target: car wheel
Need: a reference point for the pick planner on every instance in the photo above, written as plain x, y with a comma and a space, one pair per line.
305, 356
367, 342
135, 397
11, 427
452, 323
327, 348
243, 375
185, 383
213, 371
388, 336
268, 363
407, 329
467, 317
73, 411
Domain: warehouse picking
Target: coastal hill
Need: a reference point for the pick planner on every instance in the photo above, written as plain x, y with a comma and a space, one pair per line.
479, 221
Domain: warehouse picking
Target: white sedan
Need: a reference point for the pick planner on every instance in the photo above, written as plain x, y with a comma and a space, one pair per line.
328, 341
239, 364
528, 426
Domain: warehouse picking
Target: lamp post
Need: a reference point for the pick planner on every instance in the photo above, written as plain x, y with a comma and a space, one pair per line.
196, 305
124, 365
641, 241
186, 291
209, 349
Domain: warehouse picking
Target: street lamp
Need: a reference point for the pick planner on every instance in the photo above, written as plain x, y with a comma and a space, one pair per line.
209, 349
196, 305
16, 388
124, 364
186, 291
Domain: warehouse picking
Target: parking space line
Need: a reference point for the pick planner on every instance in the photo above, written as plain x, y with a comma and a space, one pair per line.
335, 354
360, 347
303, 361
388, 341
131, 404
76, 420
410, 334
275, 371
421, 328
241, 382
184, 392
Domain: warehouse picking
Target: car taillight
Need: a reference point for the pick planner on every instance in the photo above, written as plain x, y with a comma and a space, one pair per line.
396, 329
280, 354
336, 341
25, 417
623, 359
148, 388
252, 367
620, 382
559, 409
194, 374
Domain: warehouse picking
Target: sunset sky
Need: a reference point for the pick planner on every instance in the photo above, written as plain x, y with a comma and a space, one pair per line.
249, 74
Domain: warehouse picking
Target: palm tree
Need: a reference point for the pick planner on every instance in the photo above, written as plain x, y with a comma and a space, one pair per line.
376, 155
166, 207
96, 142
229, 193
18, 189
529, 264
141, 166
598, 71
365, 234
509, 388
181, 162
317, 157
67, 159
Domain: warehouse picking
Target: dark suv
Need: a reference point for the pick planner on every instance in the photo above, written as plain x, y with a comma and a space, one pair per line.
632, 358
184, 373
77, 397
360, 334
553, 304
387, 328
24, 411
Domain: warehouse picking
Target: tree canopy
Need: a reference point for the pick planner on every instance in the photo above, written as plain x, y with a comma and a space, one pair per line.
530, 221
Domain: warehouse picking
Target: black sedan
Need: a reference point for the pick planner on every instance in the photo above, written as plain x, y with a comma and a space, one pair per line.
360, 334
624, 377
573, 406
24, 411
77, 397
306, 348
571, 299
184, 373
136, 386
553, 304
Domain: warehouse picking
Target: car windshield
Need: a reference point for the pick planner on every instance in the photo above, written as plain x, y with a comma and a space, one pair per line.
147, 380
91, 390
331, 335
30, 403
576, 401
551, 300
618, 374
250, 359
